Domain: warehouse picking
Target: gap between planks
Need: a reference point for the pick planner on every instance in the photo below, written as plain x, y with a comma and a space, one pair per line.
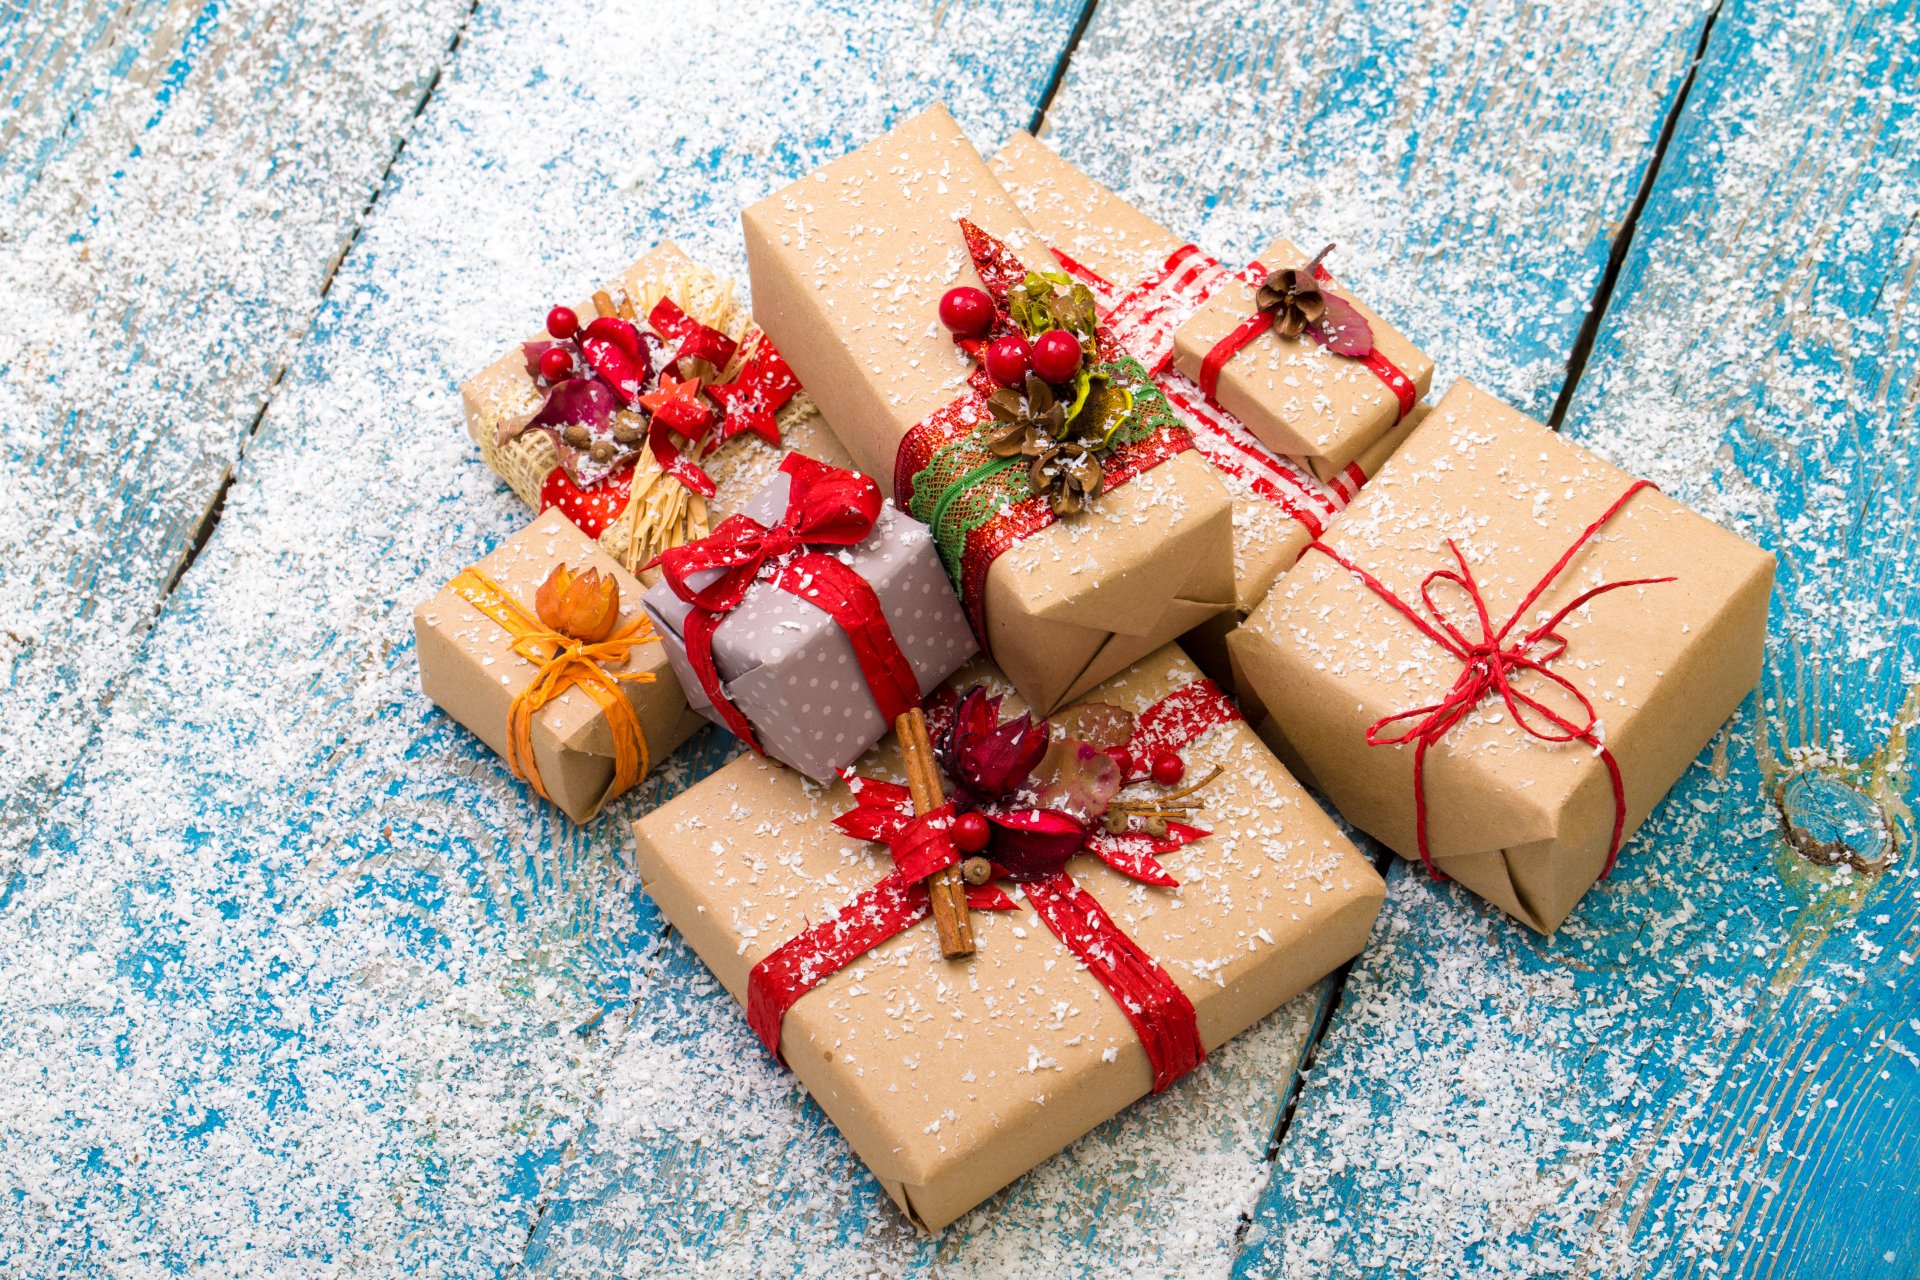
1617, 255
1060, 68
217, 503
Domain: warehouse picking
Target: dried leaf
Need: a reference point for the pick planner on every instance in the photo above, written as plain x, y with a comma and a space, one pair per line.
1344, 330
1076, 778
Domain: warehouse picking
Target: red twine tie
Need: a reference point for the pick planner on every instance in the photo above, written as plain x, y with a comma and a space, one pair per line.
1160, 1013
826, 507
1488, 665
1259, 322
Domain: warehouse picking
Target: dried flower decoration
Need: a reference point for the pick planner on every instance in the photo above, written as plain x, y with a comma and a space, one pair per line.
584, 606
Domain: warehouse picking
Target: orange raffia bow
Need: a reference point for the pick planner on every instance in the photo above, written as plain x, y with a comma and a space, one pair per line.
564, 662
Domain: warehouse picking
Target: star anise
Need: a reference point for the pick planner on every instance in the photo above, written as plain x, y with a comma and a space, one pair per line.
1293, 295
1020, 419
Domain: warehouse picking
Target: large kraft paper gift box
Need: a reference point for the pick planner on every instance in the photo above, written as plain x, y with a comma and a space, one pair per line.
1662, 641
1156, 281
470, 666
849, 266
632, 504
950, 1078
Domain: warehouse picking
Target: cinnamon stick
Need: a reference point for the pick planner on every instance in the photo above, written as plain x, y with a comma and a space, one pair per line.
946, 890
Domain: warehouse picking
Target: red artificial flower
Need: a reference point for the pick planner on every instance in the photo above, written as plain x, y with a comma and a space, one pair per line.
989, 760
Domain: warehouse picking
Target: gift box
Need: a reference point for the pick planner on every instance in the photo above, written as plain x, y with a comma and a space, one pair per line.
1505, 652
1311, 370
1204, 902
816, 616
666, 410
1073, 556
1151, 282
580, 721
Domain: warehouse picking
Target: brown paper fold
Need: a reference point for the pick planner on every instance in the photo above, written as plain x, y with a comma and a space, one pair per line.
1523, 822
848, 267
1297, 397
1077, 215
950, 1079
469, 668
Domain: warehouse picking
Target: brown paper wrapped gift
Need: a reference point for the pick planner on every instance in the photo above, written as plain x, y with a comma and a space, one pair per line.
469, 667
951, 1078
1294, 394
848, 269
1524, 822
1279, 504
659, 511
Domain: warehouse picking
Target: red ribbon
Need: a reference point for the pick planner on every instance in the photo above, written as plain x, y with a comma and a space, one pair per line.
1160, 1013
1489, 664
1260, 321
826, 507
747, 404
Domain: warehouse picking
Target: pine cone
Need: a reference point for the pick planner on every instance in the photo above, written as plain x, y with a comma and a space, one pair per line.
1293, 295
1022, 423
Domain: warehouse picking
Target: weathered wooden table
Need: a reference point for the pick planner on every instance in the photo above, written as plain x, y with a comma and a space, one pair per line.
295, 980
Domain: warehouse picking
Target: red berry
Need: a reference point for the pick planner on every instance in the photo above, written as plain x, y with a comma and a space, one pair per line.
1056, 355
966, 311
1122, 757
561, 322
555, 363
1008, 360
970, 832
1168, 767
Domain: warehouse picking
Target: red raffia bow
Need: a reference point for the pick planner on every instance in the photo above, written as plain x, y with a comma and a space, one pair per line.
826, 507
1389, 373
1160, 1013
1489, 665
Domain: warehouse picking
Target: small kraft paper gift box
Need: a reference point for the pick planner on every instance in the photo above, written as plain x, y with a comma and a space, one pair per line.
646, 412
960, 366
811, 619
1310, 369
1003, 931
1148, 283
542, 649
1504, 653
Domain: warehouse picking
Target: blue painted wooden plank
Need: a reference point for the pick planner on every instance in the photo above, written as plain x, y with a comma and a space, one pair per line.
1472, 162
296, 979
1714, 1069
178, 181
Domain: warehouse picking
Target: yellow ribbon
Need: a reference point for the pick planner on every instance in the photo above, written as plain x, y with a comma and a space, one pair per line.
563, 662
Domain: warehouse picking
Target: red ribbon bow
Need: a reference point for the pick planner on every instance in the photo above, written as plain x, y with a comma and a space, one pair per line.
1489, 664
1159, 1011
826, 507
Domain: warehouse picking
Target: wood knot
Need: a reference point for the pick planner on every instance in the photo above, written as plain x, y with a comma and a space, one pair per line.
1830, 822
